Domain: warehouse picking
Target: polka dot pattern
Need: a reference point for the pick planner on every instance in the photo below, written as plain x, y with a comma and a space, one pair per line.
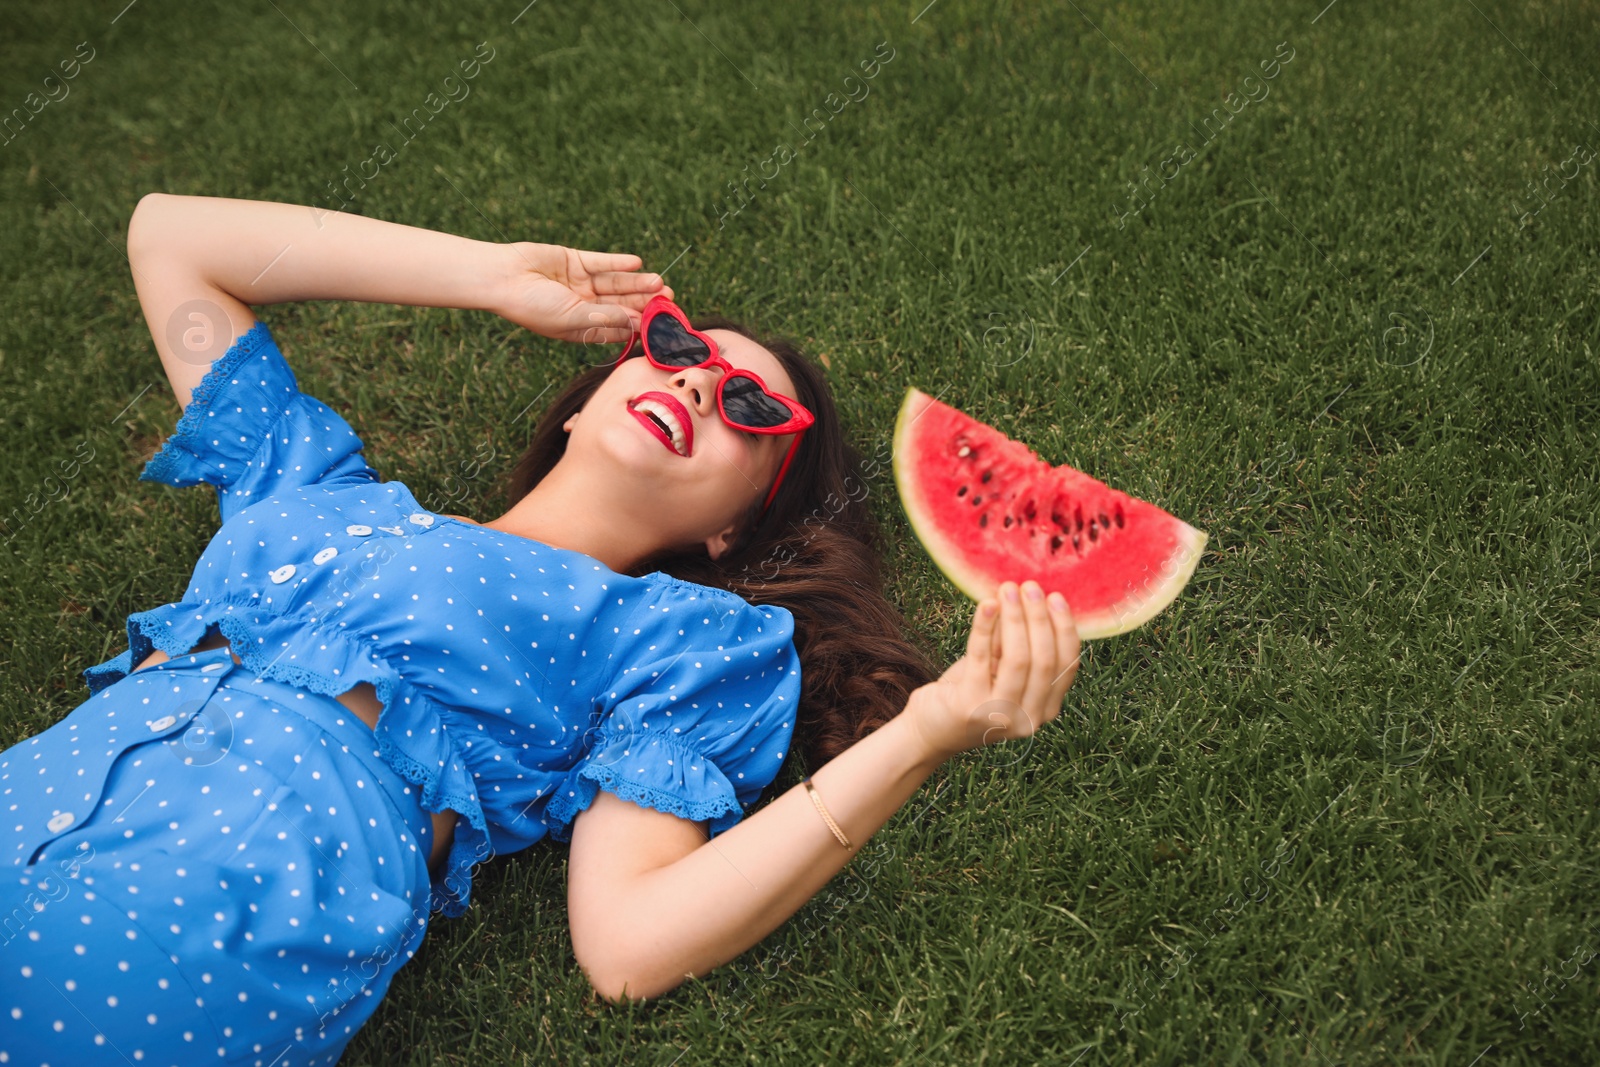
516, 680
249, 875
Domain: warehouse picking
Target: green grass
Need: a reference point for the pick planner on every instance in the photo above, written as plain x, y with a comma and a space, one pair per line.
1338, 805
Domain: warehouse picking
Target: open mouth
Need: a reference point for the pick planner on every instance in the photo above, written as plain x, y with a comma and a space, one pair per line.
667, 419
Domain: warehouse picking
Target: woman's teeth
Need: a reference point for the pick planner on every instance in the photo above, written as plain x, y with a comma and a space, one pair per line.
669, 422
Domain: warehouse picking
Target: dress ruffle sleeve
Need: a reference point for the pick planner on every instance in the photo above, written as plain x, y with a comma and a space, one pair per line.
250, 432
698, 718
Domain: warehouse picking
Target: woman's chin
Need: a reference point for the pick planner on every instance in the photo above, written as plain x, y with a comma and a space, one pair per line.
632, 448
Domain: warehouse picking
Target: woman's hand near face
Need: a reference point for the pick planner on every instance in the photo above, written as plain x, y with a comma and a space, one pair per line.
1022, 654
572, 295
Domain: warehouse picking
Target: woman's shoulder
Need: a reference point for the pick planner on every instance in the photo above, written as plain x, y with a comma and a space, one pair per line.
721, 606
671, 587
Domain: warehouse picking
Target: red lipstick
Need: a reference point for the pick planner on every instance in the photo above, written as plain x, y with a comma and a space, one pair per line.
678, 412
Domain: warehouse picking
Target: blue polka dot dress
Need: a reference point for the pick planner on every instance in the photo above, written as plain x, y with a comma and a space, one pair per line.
211, 862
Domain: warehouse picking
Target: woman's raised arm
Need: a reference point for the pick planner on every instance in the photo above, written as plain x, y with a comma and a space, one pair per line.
644, 919
200, 262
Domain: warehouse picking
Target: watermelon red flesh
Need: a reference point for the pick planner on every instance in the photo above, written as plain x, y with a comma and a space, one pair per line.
989, 510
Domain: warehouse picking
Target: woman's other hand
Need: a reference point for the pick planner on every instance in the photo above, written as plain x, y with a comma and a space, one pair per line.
1021, 656
572, 295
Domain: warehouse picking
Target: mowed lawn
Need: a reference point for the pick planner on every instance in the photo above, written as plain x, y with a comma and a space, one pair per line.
1337, 805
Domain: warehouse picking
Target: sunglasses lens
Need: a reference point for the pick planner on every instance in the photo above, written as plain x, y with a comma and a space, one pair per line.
673, 346
748, 405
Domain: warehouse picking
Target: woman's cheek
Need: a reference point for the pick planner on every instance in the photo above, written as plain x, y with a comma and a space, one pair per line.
753, 460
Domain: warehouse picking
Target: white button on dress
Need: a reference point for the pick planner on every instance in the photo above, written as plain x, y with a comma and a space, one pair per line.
421, 518
162, 723
357, 530
282, 574
325, 555
61, 821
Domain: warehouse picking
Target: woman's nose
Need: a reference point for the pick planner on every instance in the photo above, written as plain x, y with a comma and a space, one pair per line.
701, 383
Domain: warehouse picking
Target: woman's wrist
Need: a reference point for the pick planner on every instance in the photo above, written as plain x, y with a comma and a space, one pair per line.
504, 264
492, 264
929, 749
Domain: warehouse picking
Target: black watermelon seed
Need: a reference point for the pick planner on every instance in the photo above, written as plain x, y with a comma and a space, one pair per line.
1077, 544
962, 491
1105, 521
1077, 513
1094, 532
1029, 511
1055, 542
977, 498
1119, 518
983, 520
1008, 522
986, 476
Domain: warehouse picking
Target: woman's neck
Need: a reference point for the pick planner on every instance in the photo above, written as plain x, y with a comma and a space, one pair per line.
562, 514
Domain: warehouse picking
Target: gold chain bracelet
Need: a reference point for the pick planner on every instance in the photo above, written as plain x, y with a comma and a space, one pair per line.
815, 799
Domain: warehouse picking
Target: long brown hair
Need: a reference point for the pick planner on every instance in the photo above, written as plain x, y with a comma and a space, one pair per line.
816, 552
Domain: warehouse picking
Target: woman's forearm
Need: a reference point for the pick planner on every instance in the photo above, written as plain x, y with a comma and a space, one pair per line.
740, 886
269, 253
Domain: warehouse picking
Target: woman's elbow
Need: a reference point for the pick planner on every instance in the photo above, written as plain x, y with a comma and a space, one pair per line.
607, 979
614, 992
619, 984
614, 988
144, 229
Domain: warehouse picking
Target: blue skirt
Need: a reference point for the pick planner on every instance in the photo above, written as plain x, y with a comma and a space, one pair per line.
203, 866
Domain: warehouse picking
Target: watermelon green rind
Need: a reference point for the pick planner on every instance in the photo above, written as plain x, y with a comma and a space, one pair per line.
1179, 569
971, 582
1130, 609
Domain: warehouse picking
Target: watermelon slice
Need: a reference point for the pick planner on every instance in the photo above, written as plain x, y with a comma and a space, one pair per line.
989, 510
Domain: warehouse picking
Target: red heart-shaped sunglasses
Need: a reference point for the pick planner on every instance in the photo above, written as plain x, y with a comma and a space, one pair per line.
743, 399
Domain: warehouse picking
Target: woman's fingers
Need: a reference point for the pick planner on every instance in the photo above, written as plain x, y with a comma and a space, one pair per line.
1021, 655
595, 263
616, 283
980, 642
1012, 677
609, 274
1041, 653
994, 643
1023, 651
1069, 650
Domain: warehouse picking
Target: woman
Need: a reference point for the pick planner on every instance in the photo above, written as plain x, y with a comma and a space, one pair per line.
228, 850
